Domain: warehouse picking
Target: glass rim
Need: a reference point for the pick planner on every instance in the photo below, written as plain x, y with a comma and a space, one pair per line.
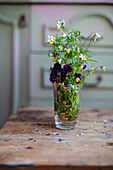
70, 85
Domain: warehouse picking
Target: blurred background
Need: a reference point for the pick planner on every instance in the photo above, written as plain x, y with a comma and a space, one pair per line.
24, 62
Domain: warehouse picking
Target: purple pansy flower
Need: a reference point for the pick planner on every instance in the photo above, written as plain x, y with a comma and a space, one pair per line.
53, 75
55, 54
65, 83
57, 66
77, 77
58, 88
84, 66
57, 74
67, 68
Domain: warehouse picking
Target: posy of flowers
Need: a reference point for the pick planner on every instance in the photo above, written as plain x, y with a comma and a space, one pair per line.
71, 61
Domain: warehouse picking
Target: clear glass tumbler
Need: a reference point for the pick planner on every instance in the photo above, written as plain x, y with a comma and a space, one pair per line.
66, 105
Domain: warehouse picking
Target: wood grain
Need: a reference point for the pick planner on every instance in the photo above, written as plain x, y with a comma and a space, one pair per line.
30, 140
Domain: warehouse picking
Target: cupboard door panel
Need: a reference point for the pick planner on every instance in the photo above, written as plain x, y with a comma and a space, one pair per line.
5, 71
88, 18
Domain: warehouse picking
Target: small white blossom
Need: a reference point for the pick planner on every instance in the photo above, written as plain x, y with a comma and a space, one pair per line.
59, 61
51, 39
83, 57
96, 36
60, 47
63, 22
60, 24
63, 34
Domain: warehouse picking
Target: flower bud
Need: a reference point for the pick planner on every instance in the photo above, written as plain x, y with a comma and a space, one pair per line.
103, 68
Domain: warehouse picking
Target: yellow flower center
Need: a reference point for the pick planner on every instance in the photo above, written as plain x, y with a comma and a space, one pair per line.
51, 41
81, 67
67, 74
53, 58
84, 58
68, 51
95, 37
77, 80
55, 84
60, 26
64, 102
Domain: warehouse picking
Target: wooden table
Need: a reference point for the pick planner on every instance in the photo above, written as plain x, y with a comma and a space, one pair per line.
29, 140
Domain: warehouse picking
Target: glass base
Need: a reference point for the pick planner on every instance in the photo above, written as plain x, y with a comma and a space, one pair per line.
67, 125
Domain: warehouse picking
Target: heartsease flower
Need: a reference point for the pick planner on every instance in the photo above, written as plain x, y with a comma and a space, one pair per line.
84, 58
77, 77
61, 24
57, 74
67, 68
54, 55
83, 66
96, 36
51, 39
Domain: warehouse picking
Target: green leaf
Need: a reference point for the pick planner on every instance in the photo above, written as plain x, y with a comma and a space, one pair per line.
88, 51
89, 56
86, 62
93, 60
79, 39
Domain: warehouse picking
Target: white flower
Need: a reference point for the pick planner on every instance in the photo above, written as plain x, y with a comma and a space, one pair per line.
72, 86
81, 55
59, 61
60, 24
51, 39
96, 36
64, 34
63, 22
60, 47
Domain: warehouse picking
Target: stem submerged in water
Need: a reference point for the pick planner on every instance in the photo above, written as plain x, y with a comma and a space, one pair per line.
66, 101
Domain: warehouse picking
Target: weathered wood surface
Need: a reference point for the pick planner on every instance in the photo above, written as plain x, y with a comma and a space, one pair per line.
29, 140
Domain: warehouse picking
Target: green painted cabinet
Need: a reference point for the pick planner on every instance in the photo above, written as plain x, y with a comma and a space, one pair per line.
98, 92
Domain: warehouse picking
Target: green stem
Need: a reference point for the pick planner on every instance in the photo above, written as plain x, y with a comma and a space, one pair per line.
77, 62
89, 74
89, 43
73, 62
86, 40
